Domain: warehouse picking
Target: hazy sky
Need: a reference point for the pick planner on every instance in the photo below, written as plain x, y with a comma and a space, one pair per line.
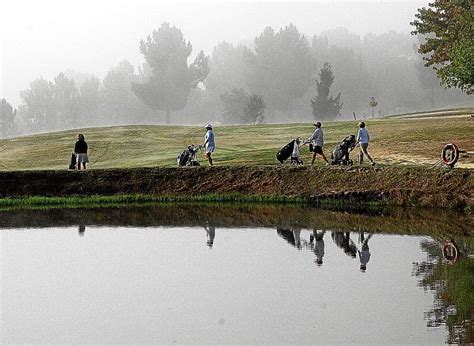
45, 37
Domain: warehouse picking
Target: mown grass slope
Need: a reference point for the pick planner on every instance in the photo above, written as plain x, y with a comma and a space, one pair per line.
394, 141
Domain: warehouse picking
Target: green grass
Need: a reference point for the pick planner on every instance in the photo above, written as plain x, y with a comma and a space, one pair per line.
43, 202
408, 141
118, 200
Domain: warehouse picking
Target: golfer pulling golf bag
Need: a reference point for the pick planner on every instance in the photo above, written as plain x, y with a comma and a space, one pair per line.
340, 154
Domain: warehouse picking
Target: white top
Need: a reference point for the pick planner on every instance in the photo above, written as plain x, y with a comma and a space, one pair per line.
363, 135
209, 139
317, 137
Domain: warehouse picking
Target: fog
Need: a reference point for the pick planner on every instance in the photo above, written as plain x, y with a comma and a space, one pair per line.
42, 39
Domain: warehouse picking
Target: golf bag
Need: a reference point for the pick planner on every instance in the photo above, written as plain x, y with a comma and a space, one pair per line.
340, 154
72, 164
188, 157
290, 150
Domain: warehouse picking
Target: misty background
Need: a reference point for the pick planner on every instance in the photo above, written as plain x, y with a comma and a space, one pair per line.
67, 64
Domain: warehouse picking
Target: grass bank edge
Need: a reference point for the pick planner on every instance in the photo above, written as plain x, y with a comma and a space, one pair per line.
46, 202
96, 201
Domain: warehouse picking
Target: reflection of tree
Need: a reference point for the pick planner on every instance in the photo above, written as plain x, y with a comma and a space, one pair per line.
453, 287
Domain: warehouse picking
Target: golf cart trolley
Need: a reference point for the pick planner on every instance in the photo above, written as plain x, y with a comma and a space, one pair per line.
188, 156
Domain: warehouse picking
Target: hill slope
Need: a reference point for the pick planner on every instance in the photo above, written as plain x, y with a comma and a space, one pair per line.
401, 141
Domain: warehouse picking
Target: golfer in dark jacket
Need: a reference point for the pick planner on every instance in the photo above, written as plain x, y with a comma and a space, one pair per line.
80, 149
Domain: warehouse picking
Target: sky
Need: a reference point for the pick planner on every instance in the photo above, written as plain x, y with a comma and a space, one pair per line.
44, 38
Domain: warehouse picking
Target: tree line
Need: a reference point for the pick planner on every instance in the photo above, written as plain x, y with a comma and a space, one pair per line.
279, 76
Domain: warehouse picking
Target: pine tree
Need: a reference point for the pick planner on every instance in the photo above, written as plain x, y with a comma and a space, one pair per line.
326, 107
171, 80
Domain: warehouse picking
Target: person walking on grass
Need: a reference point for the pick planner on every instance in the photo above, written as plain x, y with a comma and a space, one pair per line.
316, 143
209, 142
80, 149
363, 139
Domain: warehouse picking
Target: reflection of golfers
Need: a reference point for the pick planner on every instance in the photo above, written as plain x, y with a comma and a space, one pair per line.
211, 233
297, 236
209, 143
318, 246
344, 241
364, 255
82, 229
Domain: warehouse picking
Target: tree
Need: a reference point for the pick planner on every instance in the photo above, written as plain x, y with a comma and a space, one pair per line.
66, 101
89, 101
118, 103
230, 67
39, 105
51, 106
234, 102
325, 106
7, 117
241, 107
448, 29
255, 108
171, 79
283, 69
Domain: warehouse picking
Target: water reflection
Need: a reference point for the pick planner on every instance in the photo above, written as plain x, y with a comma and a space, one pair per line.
447, 269
211, 234
364, 252
82, 230
292, 236
344, 241
341, 239
316, 241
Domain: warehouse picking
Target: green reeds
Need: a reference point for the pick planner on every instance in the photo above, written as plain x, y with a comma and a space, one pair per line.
117, 200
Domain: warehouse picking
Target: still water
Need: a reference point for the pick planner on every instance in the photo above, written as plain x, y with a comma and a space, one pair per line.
210, 274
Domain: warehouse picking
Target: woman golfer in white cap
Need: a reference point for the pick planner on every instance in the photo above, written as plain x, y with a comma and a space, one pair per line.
209, 143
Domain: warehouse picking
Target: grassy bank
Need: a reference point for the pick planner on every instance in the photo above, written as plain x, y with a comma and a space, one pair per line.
394, 141
404, 186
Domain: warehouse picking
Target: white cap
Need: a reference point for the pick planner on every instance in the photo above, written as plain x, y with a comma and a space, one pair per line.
208, 126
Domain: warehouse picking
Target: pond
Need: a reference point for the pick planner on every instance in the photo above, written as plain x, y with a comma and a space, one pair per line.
236, 274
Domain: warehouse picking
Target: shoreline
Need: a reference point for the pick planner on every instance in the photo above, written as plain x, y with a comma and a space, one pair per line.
391, 220
345, 186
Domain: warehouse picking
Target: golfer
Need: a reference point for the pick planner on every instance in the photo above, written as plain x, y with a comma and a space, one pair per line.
316, 141
209, 143
363, 139
80, 149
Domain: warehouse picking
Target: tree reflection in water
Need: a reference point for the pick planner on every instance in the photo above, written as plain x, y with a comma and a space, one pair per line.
453, 287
